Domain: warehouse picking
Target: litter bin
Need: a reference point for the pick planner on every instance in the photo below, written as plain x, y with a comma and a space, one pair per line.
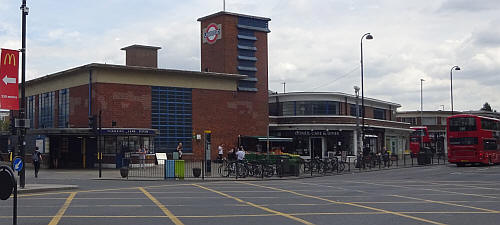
170, 169
179, 169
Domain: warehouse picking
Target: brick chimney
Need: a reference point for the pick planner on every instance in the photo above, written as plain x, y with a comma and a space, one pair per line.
141, 55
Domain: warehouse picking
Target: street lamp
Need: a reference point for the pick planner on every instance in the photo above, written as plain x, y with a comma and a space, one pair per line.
451, 85
421, 114
358, 143
368, 37
421, 101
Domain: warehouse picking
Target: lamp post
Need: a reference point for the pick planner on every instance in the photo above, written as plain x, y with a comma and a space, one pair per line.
421, 114
358, 143
368, 37
22, 108
451, 85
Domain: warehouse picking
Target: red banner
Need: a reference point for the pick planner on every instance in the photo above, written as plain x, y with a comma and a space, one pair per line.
9, 73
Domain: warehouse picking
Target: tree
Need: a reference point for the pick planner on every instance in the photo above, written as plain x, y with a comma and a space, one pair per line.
486, 107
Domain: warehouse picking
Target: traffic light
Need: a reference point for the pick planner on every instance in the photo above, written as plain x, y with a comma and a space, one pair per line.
93, 122
12, 126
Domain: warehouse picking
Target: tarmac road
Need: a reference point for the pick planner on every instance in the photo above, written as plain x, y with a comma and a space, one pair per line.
421, 195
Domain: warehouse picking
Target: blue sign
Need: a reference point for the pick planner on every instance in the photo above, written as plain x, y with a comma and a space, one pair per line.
18, 164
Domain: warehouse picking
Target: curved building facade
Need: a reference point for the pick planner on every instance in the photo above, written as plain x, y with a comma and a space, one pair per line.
323, 122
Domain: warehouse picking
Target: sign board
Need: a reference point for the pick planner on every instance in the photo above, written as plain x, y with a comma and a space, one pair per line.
161, 157
212, 33
9, 73
18, 164
6, 183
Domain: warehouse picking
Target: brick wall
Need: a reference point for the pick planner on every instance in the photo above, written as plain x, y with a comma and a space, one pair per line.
128, 105
79, 106
227, 114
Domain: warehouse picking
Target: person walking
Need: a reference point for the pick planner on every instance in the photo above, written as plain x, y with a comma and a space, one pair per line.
221, 152
36, 157
179, 150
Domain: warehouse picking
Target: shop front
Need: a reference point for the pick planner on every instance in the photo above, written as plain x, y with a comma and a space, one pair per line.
78, 147
319, 143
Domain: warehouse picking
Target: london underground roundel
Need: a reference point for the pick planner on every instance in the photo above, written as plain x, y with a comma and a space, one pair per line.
212, 33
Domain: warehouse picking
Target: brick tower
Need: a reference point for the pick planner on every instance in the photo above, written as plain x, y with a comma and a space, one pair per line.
237, 44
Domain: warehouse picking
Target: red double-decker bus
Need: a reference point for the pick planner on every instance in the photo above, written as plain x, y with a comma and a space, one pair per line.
473, 139
417, 137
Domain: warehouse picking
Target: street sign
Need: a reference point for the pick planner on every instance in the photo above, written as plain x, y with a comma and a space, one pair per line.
9, 73
18, 164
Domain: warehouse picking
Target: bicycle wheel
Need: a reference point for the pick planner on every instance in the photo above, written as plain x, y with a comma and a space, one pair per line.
268, 171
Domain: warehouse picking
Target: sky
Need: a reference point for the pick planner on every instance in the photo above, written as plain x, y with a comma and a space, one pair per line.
314, 45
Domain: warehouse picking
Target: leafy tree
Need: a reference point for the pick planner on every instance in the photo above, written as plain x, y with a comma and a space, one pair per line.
486, 107
4, 125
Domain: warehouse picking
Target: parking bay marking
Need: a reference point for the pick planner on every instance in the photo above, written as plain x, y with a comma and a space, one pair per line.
447, 203
167, 212
55, 220
351, 204
426, 189
255, 205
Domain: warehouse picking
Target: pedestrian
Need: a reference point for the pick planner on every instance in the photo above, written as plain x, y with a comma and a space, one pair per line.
240, 154
231, 155
179, 150
142, 156
36, 157
221, 152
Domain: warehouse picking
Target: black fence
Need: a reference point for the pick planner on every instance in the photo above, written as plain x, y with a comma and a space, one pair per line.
265, 169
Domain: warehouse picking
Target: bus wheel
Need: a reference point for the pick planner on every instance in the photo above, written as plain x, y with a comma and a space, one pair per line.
460, 164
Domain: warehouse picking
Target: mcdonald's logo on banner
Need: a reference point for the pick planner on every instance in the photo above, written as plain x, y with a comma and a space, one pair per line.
11, 57
9, 73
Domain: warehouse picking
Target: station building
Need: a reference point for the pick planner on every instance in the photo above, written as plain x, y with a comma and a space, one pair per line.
323, 122
142, 105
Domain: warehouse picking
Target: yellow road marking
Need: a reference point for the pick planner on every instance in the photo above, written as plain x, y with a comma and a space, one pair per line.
251, 215
471, 186
351, 204
255, 205
426, 189
167, 212
447, 203
63, 209
328, 186
101, 190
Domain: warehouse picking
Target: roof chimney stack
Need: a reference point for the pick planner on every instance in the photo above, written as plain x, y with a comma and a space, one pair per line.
141, 55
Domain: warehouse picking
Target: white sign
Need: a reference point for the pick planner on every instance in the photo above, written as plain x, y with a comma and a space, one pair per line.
161, 157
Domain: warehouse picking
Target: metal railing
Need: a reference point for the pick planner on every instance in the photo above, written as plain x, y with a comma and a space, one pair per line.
229, 170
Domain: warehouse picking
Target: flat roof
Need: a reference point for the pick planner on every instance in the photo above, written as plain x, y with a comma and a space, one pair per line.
135, 68
141, 46
333, 93
233, 14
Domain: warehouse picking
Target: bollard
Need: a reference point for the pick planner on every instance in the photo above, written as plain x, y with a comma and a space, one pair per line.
349, 164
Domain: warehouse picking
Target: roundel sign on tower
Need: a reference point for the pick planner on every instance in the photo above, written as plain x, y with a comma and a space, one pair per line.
212, 33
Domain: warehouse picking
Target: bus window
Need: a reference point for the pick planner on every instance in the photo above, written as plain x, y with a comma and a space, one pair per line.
462, 124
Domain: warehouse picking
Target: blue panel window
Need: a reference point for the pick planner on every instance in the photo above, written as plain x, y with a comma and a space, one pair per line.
252, 22
353, 110
172, 116
31, 110
247, 53
246, 63
246, 42
246, 32
46, 110
63, 121
379, 114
